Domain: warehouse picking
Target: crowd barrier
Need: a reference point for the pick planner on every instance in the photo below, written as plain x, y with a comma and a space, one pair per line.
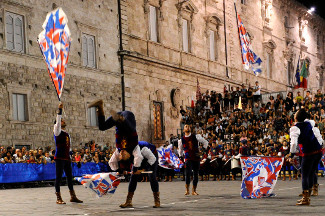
23, 172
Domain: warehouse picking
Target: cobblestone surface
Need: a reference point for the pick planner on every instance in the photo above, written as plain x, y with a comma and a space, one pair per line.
216, 198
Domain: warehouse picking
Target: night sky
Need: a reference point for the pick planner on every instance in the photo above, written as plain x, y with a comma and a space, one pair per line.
318, 4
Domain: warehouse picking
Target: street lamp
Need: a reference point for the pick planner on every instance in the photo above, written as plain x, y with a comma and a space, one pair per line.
311, 10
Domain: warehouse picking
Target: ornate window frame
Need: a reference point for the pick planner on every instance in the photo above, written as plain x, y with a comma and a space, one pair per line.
186, 10
146, 7
269, 47
212, 22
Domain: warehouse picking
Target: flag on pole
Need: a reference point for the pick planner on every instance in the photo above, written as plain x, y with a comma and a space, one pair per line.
54, 42
249, 58
259, 176
198, 91
167, 159
304, 73
298, 74
101, 183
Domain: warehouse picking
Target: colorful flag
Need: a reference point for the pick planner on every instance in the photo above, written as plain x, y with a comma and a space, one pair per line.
249, 58
304, 73
101, 183
259, 176
298, 74
167, 159
198, 91
55, 42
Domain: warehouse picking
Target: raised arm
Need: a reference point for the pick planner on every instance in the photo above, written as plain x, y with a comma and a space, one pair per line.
57, 125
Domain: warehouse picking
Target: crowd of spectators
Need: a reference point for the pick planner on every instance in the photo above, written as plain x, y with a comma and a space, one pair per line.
88, 152
259, 127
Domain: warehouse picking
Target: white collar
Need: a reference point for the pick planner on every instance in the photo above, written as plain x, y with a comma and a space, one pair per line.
188, 135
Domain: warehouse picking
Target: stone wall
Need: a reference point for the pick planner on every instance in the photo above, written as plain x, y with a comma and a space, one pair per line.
27, 73
153, 69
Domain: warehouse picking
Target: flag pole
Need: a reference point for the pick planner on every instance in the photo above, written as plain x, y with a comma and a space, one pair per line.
241, 51
225, 29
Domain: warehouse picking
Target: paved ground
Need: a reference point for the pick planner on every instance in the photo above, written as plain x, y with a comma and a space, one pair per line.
216, 198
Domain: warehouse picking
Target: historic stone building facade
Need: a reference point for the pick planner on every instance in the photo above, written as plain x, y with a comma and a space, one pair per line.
28, 99
167, 46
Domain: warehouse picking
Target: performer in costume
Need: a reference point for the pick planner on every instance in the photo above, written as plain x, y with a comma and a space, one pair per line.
310, 141
150, 156
189, 147
62, 157
125, 131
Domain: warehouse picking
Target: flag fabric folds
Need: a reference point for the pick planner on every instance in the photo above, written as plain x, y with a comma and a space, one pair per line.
304, 73
249, 58
259, 176
298, 74
167, 159
54, 42
101, 183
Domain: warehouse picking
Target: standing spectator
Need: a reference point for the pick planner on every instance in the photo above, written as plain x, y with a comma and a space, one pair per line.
299, 98
243, 94
250, 96
257, 92
87, 156
319, 94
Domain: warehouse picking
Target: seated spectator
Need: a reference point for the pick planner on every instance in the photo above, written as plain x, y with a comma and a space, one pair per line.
20, 158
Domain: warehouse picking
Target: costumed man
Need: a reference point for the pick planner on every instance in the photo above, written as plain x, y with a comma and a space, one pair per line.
122, 159
62, 157
125, 133
310, 141
189, 147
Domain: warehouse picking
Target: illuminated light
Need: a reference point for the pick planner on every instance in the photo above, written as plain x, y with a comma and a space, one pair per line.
311, 10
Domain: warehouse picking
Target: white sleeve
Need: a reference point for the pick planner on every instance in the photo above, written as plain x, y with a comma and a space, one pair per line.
113, 161
202, 140
137, 156
294, 134
180, 148
147, 153
318, 136
57, 126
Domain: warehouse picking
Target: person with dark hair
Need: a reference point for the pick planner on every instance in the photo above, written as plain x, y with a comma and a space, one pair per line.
189, 147
125, 130
308, 137
121, 160
62, 157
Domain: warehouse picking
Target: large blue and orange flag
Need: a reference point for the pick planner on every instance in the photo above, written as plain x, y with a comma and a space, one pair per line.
101, 183
249, 58
259, 176
55, 42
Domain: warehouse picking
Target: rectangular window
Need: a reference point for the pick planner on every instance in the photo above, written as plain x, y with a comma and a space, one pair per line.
88, 51
153, 23
14, 32
92, 117
158, 121
19, 107
243, 2
212, 45
186, 36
